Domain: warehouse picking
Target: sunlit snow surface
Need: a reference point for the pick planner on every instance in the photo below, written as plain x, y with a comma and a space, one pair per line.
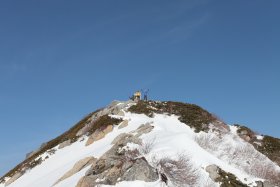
170, 135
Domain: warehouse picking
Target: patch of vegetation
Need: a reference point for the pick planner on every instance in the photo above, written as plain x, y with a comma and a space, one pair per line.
142, 107
190, 114
228, 179
271, 148
103, 122
35, 163
31, 162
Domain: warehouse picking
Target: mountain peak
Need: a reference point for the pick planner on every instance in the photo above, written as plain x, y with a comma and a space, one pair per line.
151, 143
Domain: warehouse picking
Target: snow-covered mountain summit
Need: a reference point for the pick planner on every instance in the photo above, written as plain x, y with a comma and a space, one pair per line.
149, 143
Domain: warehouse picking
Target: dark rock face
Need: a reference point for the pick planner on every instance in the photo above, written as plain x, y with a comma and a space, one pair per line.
119, 164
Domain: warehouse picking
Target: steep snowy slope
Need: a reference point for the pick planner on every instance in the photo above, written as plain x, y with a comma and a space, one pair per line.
149, 144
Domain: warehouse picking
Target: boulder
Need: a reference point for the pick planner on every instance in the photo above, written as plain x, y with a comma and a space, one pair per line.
123, 124
120, 137
121, 113
85, 129
99, 134
87, 181
76, 168
108, 129
123, 138
143, 129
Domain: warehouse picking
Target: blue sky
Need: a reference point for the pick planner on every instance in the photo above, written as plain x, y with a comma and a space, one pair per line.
61, 59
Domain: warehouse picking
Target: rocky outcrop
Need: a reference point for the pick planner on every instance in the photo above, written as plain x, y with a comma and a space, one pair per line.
118, 164
115, 108
123, 124
143, 129
76, 168
99, 134
121, 137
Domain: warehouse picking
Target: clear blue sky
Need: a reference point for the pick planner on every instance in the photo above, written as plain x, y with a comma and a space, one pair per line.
61, 59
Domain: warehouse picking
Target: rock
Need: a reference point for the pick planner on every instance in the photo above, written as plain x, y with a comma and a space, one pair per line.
143, 129
85, 129
140, 170
113, 104
108, 129
109, 173
113, 175
64, 144
99, 134
213, 172
115, 108
97, 167
14, 178
87, 181
120, 137
76, 168
123, 124
121, 113
119, 164
124, 138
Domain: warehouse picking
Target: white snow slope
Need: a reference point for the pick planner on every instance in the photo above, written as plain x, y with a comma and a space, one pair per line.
170, 137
